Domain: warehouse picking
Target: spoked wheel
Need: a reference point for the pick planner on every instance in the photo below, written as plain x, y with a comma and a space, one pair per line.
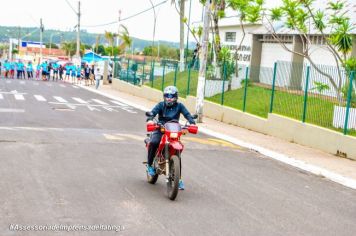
174, 175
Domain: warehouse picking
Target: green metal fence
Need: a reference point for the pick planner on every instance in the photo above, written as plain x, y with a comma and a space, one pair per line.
131, 71
322, 96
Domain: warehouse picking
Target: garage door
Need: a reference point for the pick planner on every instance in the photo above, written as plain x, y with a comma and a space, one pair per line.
321, 56
272, 52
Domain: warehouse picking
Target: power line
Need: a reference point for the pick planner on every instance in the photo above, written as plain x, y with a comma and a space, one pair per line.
29, 34
129, 17
70, 5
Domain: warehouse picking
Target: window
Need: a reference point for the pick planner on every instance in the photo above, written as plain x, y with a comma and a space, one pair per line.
230, 37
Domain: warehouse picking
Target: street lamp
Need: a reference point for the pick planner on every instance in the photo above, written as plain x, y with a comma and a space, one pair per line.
153, 40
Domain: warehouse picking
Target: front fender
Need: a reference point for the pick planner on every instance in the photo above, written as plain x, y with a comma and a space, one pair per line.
176, 145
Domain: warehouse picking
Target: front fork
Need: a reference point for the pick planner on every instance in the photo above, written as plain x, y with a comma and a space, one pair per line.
166, 156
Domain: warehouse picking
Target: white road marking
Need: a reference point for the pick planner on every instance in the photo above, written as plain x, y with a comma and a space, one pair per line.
40, 98
22, 82
100, 102
35, 83
93, 108
80, 100
12, 92
19, 97
1, 96
49, 85
119, 103
62, 85
108, 108
11, 110
31, 128
75, 86
71, 106
8, 82
128, 109
60, 99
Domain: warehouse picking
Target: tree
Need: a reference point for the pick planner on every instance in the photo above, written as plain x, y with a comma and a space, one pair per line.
97, 41
69, 48
52, 45
109, 36
248, 11
126, 40
109, 50
165, 52
218, 12
330, 23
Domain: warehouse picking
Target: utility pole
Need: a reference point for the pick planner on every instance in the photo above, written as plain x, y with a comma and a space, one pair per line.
118, 30
153, 41
18, 40
41, 35
203, 60
77, 54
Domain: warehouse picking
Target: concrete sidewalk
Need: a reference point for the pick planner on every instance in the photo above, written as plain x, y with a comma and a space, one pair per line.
337, 169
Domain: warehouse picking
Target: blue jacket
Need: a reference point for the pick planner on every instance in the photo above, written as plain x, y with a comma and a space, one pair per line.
166, 114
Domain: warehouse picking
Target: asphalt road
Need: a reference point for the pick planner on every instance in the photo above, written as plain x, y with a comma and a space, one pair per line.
70, 157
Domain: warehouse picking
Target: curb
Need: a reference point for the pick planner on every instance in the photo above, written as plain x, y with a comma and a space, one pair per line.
345, 181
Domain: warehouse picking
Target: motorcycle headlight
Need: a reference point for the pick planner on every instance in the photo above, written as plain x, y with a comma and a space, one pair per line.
173, 135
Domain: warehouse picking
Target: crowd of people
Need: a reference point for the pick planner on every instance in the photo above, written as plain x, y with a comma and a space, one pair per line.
47, 71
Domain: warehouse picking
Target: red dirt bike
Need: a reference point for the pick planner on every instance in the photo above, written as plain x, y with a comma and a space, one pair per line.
167, 160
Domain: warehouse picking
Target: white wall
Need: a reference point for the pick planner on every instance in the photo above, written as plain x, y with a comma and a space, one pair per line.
272, 52
245, 53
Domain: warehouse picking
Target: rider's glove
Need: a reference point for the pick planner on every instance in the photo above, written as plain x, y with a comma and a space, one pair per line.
150, 122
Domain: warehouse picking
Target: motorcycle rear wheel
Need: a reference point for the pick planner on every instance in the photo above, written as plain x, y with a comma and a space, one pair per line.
174, 175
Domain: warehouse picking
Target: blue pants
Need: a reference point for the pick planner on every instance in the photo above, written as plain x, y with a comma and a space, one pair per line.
154, 143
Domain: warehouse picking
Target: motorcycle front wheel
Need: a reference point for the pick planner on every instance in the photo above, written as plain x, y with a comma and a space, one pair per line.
174, 175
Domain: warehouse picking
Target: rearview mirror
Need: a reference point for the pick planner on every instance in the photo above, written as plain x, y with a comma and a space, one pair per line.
149, 114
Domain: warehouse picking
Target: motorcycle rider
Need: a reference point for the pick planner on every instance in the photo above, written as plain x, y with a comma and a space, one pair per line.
167, 110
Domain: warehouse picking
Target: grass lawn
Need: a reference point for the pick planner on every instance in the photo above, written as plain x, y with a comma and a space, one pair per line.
181, 82
319, 110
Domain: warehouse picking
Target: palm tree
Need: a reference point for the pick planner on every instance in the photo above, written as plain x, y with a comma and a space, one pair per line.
109, 36
125, 39
97, 41
68, 47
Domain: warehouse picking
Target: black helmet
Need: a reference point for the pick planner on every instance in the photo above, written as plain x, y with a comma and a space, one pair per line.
170, 95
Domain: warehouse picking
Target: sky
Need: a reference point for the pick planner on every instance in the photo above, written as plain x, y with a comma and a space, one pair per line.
59, 15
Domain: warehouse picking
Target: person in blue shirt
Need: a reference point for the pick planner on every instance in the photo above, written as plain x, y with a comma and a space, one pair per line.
7, 68
79, 73
29, 69
73, 73
67, 68
38, 71
44, 67
167, 110
12, 69
55, 67
20, 70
